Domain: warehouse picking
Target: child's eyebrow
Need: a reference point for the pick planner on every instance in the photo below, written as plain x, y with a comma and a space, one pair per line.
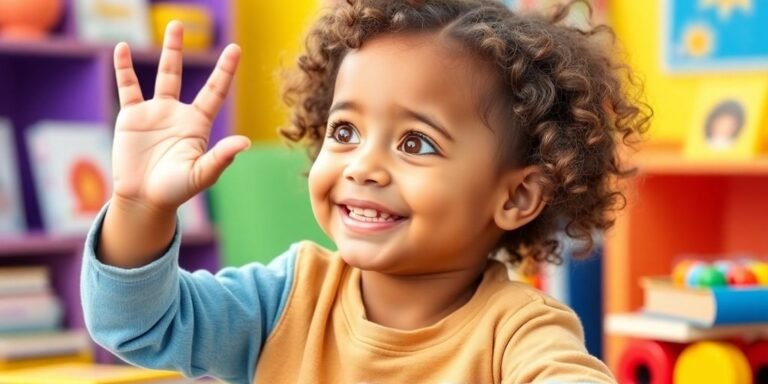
351, 105
431, 122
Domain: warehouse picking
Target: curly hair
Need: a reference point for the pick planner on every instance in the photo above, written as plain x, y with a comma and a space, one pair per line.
570, 105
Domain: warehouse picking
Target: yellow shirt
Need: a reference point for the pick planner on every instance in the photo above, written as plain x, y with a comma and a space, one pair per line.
507, 333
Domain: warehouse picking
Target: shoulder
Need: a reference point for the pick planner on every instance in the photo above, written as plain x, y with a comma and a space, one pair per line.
517, 303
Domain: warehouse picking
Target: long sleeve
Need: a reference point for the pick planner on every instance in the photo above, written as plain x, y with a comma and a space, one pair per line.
160, 316
548, 347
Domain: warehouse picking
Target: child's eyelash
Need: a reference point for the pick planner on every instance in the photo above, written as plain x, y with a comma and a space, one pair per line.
334, 125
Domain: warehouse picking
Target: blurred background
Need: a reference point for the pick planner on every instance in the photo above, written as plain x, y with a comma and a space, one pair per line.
697, 209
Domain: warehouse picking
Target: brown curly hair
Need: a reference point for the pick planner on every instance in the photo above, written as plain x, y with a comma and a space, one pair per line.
570, 105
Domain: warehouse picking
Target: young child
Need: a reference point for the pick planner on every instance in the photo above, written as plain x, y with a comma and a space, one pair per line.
442, 133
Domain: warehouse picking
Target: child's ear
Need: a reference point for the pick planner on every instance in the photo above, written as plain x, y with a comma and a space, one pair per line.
521, 198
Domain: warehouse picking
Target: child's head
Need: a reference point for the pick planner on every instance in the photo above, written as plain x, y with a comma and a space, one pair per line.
445, 130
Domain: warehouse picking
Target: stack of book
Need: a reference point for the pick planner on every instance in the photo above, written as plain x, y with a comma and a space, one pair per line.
684, 314
31, 332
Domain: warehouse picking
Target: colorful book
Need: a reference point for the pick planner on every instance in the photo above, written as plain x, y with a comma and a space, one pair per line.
12, 218
24, 280
84, 373
706, 307
111, 21
71, 164
19, 346
29, 312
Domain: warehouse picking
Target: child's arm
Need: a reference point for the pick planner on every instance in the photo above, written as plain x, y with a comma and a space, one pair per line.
160, 158
547, 346
136, 301
162, 317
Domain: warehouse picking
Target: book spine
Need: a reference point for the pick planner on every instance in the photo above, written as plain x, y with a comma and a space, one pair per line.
740, 306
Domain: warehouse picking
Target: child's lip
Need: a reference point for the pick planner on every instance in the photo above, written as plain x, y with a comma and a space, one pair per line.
365, 204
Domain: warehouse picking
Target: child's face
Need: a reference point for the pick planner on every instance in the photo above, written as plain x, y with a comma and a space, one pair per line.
407, 182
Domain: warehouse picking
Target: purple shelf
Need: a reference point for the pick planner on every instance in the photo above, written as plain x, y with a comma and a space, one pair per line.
38, 244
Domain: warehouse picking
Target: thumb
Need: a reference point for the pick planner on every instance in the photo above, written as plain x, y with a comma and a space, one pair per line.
211, 164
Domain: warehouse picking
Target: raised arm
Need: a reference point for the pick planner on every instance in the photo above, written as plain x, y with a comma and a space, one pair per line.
160, 154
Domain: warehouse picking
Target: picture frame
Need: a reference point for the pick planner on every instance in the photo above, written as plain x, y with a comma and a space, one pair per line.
728, 119
112, 21
12, 217
70, 164
706, 36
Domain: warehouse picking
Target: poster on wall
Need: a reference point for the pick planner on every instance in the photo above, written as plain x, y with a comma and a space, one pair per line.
714, 35
727, 119
579, 13
71, 172
11, 204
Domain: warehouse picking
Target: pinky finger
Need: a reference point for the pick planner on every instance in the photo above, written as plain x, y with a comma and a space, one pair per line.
128, 89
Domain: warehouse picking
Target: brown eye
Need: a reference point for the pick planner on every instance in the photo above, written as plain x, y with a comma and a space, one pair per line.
344, 134
416, 144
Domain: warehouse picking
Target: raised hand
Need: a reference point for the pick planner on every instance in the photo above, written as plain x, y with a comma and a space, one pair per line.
160, 157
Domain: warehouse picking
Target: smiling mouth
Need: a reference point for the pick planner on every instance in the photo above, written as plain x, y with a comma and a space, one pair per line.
369, 215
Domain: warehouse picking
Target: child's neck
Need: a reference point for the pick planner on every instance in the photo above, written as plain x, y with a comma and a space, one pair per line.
409, 303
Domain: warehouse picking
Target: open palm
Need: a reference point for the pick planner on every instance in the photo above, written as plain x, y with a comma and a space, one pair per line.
160, 153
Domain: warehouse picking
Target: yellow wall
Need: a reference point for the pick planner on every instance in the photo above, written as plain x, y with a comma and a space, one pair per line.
270, 33
638, 26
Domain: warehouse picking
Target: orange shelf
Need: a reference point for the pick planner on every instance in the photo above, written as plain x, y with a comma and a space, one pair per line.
672, 162
679, 206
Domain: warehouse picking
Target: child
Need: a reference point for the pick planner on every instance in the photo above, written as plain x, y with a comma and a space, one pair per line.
442, 132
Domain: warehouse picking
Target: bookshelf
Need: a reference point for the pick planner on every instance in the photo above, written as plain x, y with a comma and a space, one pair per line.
677, 207
63, 78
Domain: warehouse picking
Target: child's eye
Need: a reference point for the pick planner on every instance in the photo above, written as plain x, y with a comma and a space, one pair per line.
343, 133
416, 143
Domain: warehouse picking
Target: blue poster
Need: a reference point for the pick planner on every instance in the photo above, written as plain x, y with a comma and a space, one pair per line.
715, 35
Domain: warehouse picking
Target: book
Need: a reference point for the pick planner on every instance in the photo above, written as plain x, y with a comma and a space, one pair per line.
18, 346
706, 307
112, 21
12, 217
645, 326
30, 312
24, 279
71, 172
8, 365
84, 373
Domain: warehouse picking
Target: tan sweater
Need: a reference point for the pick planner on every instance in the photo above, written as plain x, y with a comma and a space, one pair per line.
507, 333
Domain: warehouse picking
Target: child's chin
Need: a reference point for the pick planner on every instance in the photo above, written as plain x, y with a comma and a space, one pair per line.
366, 258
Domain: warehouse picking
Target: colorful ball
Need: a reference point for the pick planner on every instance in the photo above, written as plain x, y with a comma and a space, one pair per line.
760, 269
693, 275
724, 266
681, 270
741, 276
711, 277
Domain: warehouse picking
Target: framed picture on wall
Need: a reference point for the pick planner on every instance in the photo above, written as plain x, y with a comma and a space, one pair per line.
714, 35
12, 219
71, 172
728, 120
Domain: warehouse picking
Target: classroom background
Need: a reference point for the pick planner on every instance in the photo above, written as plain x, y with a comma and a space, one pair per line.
674, 293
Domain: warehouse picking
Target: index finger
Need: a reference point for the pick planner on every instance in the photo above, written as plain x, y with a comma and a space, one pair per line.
210, 99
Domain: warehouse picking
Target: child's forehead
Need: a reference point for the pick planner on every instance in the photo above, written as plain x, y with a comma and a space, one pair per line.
423, 68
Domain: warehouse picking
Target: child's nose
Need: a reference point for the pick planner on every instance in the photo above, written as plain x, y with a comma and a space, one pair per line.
368, 166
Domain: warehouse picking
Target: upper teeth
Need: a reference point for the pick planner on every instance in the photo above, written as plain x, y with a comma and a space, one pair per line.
368, 212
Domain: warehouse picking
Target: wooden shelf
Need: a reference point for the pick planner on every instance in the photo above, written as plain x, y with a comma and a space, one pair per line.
67, 47
660, 162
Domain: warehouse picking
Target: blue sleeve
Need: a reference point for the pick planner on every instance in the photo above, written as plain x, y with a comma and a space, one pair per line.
160, 316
